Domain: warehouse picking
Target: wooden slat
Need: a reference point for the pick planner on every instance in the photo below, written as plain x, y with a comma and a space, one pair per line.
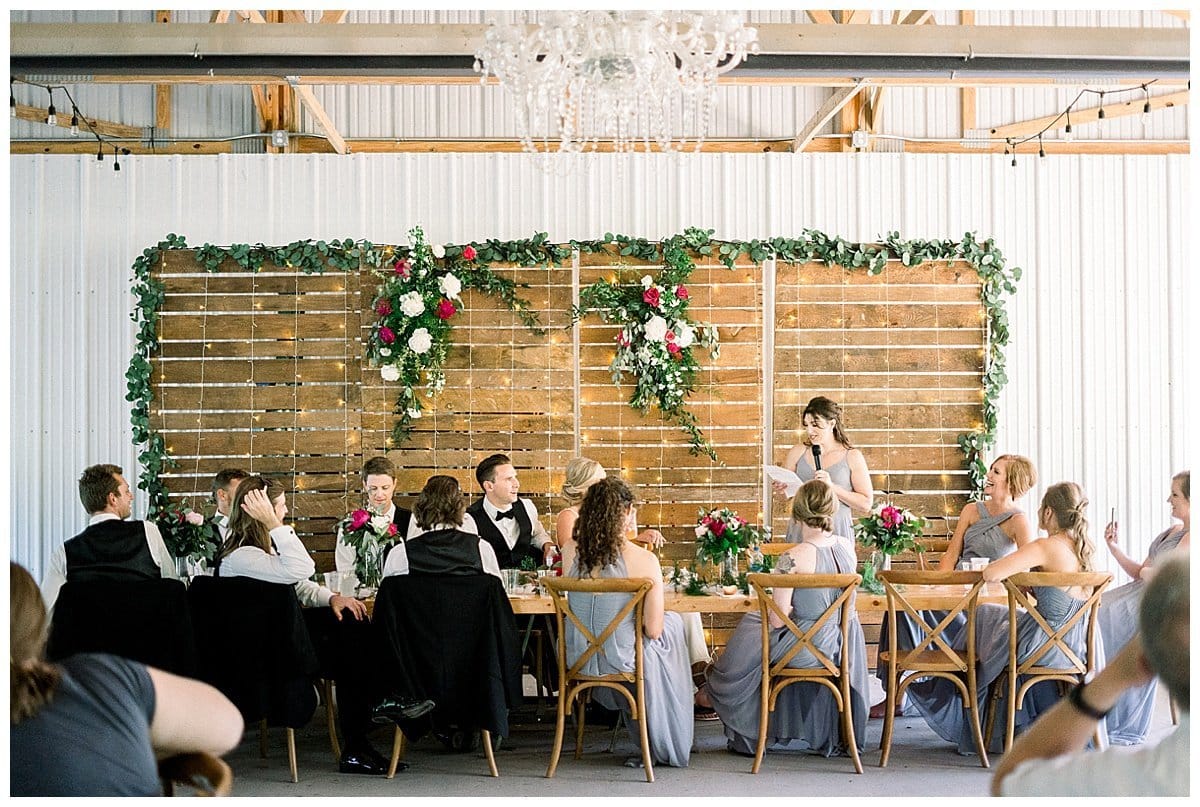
108, 128
1112, 109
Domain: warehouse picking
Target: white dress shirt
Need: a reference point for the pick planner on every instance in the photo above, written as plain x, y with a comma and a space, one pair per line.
290, 564
1159, 770
56, 573
344, 555
511, 530
397, 558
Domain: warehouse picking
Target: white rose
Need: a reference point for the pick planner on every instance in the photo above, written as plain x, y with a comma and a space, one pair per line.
438, 251
647, 281
656, 328
684, 335
379, 524
414, 414
450, 285
412, 304
389, 372
385, 351
420, 341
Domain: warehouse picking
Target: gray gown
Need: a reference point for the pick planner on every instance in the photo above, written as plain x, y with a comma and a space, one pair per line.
669, 704
805, 716
839, 474
1118, 622
938, 701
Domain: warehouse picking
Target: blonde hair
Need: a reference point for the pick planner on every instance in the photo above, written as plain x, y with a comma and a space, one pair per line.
1069, 506
815, 505
31, 679
1020, 474
582, 473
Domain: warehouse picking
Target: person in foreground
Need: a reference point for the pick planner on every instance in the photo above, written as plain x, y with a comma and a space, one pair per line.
1117, 619
439, 545
94, 724
1049, 759
600, 550
805, 717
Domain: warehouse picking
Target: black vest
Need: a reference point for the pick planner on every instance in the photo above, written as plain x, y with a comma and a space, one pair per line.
447, 551
401, 518
110, 550
507, 558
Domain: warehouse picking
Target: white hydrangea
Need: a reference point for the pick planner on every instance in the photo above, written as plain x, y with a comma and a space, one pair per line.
385, 351
647, 281
684, 335
450, 285
656, 328
389, 372
411, 304
438, 251
420, 341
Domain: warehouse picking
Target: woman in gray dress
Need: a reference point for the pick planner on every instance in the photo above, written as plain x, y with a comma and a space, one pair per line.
842, 466
1130, 717
1066, 548
600, 550
805, 717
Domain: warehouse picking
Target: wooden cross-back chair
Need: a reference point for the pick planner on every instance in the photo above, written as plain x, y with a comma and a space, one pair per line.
206, 774
833, 675
933, 656
574, 685
1020, 675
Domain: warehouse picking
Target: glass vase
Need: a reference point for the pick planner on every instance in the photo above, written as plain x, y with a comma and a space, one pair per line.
729, 569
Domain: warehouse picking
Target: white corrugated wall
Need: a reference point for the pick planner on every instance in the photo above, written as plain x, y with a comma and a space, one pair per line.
1097, 384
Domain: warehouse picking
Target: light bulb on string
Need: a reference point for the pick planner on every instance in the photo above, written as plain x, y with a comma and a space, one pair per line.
74, 123
116, 160
1100, 114
51, 118
1067, 136
1041, 147
1146, 107
100, 152
12, 99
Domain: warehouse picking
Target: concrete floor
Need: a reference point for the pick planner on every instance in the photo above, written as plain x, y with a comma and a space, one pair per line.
921, 764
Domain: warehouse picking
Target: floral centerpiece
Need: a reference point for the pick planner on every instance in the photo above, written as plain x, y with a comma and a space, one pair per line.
888, 530
188, 533
370, 534
722, 535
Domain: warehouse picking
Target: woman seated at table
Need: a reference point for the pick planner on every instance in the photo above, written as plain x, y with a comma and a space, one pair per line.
601, 550
1129, 719
1066, 548
440, 545
92, 724
806, 716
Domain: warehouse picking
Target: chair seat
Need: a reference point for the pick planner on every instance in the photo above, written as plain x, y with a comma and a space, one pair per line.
924, 661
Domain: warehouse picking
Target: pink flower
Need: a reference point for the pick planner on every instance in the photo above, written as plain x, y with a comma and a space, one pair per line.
623, 339
402, 267
392, 528
650, 296
446, 309
890, 516
387, 335
469, 253
194, 518
669, 336
681, 292
718, 528
674, 349
383, 308
359, 519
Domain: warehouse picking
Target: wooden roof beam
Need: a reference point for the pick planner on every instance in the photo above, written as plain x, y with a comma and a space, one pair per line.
832, 106
1119, 109
103, 127
856, 17
821, 17
333, 17
309, 99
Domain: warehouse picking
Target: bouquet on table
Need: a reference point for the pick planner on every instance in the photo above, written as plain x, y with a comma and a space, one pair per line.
188, 533
722, 535
370, 534
888, 530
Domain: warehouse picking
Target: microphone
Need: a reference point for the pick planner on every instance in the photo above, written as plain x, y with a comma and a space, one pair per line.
816, 457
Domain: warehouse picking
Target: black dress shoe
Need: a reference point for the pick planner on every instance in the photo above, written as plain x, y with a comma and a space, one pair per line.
391, 710
361, 762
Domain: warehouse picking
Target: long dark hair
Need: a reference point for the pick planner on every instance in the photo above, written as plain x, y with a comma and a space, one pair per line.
245, 529
600, 528
826, 409
31, 678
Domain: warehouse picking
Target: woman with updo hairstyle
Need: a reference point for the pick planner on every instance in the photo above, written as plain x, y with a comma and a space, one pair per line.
581, 474
806, 716
602, 549
1066, 548
92, 724
1129, 719
842, 466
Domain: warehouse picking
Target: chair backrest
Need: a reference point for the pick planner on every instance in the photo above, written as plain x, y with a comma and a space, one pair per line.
454, 639
146, 620
206, 774
842, 604
903, 589
253, 645
560, 589
1055, 636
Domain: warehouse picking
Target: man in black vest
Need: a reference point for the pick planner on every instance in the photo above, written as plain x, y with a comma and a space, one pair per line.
379, 485
224, 486
111, 548
509, 523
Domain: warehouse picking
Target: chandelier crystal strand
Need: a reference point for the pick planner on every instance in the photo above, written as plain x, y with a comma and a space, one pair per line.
634, 79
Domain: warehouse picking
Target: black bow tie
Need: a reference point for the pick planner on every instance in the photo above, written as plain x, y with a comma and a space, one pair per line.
506, 514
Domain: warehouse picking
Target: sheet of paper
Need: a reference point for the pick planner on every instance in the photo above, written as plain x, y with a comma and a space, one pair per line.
777, 473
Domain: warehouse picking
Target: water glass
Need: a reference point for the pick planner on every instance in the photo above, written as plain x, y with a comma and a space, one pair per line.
183, 569
333, 582
978, 564
512, 579
349, 584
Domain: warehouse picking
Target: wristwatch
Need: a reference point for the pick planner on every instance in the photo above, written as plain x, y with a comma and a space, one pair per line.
1076, 699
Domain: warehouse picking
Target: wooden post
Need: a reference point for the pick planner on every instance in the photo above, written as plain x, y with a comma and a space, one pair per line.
162, 92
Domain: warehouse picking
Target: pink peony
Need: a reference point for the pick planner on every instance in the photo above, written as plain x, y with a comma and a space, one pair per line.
681, 292
623, 339
650, 296
674, 349
890, 517
194, 518
359, 519
387, 335
392, 528
383, 308
718, 528
469, 253
669, 336
402, 267
446, 309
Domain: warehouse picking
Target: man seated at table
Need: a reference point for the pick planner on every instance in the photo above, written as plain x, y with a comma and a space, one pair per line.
110, 548
507, 522
440, 544
224, 486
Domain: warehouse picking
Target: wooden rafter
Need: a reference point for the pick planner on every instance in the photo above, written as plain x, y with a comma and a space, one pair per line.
103, 127
1186, 16
856, 17
328, 17
967, 115
918, 18
821, 17
309, 99
1117, 109
162, 92
833, 104
219, 17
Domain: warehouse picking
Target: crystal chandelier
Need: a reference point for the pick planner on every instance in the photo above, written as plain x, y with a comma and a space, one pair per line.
622, 77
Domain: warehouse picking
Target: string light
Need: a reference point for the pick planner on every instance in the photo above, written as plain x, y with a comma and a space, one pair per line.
12, 99
1146, 106
74, 122
1011, 144
1041, 147
1067, 136
1100, 114
51, 118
